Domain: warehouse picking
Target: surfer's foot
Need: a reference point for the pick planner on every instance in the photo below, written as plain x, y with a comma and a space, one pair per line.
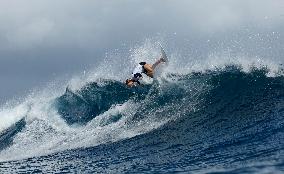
162, 60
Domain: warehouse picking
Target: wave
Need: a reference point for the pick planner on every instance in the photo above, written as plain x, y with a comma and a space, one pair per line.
227, 113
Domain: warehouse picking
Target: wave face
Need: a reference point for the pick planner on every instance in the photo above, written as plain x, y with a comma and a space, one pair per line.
225, 121
93, 99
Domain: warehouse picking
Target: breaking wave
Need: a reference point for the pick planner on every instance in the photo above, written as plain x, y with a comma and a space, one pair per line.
226, 116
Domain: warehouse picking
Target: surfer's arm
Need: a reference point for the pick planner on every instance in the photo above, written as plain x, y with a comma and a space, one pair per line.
138, 82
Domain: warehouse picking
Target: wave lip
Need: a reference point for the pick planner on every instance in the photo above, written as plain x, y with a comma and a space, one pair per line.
7, 136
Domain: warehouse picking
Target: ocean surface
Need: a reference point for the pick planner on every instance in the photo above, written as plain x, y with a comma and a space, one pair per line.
220, 120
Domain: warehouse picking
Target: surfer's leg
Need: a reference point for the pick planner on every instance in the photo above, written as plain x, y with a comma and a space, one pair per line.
157, 63
148, 70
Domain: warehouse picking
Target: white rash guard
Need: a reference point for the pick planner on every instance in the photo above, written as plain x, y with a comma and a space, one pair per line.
138, 69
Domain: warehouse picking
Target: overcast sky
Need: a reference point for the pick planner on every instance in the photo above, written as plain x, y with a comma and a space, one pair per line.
43, 39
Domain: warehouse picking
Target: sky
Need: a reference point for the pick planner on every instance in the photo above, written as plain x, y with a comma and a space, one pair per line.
41, 40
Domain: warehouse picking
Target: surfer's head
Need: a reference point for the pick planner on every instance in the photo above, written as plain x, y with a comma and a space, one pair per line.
129, 82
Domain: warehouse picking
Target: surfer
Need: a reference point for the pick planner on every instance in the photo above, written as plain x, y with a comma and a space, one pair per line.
145, 68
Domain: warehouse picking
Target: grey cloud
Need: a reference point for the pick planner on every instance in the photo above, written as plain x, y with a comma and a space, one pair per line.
81, 23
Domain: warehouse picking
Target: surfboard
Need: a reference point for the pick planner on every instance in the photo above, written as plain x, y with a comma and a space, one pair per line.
163, 54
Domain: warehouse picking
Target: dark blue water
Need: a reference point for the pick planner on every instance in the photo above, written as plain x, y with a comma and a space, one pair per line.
225, 121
